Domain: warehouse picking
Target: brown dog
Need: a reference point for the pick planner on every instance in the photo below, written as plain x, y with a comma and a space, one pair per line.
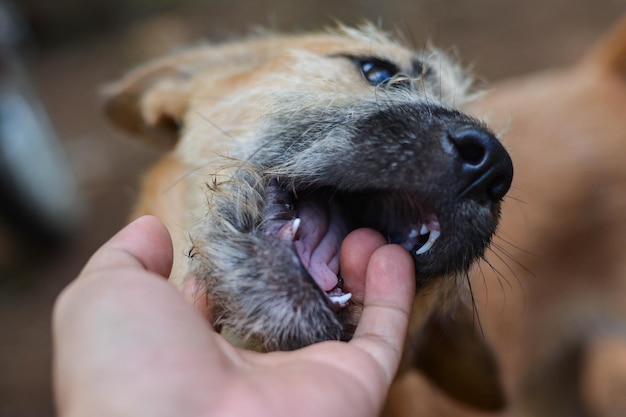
558, 316
283, 145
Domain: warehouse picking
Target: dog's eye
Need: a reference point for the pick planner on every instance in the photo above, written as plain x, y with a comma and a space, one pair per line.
377, 72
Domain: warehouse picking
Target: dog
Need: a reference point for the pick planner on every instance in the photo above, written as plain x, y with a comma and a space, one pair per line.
557, 323
281, 145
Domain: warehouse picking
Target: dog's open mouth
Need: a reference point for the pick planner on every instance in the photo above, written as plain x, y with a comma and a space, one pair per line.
316, 223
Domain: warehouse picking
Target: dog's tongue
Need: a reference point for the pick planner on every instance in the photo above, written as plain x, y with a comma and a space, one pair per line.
320, 234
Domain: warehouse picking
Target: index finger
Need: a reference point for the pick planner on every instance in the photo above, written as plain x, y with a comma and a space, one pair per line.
389, 294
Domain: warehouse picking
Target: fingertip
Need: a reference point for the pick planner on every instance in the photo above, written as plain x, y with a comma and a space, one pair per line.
149, 241
356, 250
150, 223
390, 278
145, 242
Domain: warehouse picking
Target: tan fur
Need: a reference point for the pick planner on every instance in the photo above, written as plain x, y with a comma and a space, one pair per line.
215, 104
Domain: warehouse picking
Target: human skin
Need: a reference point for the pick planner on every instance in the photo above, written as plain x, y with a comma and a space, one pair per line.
127, 343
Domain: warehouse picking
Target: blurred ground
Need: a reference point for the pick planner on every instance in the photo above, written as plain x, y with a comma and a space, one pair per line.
82, 45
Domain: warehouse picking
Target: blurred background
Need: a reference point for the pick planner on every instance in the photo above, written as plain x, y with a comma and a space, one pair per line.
68, 179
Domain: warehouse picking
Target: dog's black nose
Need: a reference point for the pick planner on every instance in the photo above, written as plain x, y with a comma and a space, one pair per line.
485, 165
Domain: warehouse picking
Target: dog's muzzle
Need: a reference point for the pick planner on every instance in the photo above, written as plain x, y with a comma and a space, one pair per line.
432, 183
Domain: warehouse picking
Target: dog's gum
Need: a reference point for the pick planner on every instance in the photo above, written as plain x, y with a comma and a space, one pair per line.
289, 232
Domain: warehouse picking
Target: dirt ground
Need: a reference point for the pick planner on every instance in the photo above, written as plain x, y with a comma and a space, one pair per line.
499, 38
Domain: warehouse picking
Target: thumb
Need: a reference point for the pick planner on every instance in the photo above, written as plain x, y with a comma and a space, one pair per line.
144, 243
389, 294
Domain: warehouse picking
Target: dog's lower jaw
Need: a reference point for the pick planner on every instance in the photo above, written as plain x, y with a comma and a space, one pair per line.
264, 297
266, 301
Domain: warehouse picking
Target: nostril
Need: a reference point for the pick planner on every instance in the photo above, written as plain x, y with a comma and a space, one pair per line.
471, 153
472, 145
498, 187
485, 166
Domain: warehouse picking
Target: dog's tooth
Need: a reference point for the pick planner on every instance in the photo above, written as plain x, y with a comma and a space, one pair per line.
289, 231
424, 248
434, 235
342, 300
424, 230
296, 227
412, 234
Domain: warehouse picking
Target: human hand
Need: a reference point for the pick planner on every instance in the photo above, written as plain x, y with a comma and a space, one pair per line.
127, 343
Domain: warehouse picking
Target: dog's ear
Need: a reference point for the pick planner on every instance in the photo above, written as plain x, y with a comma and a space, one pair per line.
152, 100
452, 352
610, 52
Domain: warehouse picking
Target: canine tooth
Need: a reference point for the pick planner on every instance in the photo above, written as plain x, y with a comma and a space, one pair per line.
424, 230
425, 248
342, 300
434, 235
412, 234
289, 231
296, 226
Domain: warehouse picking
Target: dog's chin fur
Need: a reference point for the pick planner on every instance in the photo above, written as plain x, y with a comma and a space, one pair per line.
285, 144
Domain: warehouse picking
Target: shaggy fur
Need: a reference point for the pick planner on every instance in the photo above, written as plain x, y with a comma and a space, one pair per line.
347, 128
